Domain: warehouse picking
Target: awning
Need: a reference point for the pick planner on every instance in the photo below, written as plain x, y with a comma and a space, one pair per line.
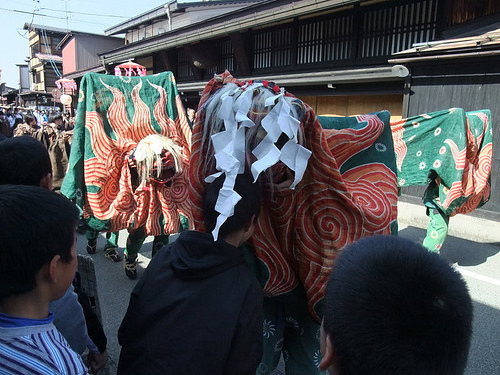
487, 44
48, 57
374, 74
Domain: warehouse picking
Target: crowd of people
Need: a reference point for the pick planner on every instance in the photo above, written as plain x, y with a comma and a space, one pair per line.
390, 307
54, 130
15, 121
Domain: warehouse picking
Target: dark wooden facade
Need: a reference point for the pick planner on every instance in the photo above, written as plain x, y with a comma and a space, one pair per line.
354, 37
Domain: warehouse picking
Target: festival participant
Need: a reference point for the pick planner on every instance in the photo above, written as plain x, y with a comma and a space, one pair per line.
37, 266
392, 307
5, 130
450, 151
55, 139
114, 116
197, 308
320, 195
191, 114
29, 127
156, 161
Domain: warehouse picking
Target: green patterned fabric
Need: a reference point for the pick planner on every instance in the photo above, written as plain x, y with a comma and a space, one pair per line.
113, 115
437, 230
379, 151
453, 150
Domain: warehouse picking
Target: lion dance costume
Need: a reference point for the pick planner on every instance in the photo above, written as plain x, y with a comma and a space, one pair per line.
114, 115
333, 199
450, 151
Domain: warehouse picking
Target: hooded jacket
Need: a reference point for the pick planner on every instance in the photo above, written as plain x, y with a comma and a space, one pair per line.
196, 310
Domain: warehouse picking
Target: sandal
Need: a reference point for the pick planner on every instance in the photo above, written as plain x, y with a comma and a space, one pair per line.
91, 246
112, 254
130, 270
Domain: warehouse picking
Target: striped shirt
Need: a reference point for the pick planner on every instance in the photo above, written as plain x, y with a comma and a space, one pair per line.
37, 349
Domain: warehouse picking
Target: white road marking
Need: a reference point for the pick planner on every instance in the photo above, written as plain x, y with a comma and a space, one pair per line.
478, 276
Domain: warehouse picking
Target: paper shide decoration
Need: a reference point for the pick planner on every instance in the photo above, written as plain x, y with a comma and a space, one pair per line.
254, 125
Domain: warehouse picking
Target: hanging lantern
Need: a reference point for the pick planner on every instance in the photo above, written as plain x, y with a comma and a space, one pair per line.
66, 83
130, 69
66, 99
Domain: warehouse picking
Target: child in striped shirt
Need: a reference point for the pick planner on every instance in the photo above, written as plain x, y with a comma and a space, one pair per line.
37, 264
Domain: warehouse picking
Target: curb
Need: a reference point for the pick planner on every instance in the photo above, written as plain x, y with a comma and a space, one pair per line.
462, 226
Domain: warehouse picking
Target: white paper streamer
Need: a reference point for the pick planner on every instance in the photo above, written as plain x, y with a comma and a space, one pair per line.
295, 157
230, 144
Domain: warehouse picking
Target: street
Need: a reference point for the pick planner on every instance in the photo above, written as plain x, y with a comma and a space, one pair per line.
477, 261
479, 264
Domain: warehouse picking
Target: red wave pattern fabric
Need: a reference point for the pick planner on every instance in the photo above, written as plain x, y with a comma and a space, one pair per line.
300, 232
114, 114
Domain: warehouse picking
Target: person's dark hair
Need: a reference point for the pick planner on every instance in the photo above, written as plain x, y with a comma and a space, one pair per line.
23, 161
248, 205
392, 307
55, 116
28, 118
36, 224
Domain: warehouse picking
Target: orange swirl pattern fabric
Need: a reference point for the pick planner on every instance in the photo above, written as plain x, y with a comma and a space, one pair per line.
300, 232
114, 114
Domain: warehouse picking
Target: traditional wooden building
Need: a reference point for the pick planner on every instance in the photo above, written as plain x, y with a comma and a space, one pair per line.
80, 52
45, 65
80, 55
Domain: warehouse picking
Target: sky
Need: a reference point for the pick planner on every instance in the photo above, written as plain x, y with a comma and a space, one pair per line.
93, 16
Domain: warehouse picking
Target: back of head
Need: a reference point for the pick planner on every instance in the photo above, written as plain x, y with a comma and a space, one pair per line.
55, 116
35, 225
246, 208
23, 161
29, 119
393, 308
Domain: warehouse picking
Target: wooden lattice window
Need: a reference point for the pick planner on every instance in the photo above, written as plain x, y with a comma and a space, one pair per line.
226, 57
262, 50
273, 47
396, 28
325, 40
183, 65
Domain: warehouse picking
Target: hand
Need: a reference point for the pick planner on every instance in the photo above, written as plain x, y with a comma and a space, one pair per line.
96, 361
132, 163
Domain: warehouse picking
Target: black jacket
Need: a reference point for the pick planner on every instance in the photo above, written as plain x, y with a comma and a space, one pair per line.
196, 310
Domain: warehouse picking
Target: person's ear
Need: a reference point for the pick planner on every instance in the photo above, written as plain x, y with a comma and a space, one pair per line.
46, 181
250, 226
53, 269
328, 358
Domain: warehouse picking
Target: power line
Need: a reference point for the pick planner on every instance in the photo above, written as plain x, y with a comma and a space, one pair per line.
27, 12
85, 14
34, 13
56, 10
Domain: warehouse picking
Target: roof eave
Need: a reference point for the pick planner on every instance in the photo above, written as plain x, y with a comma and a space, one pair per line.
252, 16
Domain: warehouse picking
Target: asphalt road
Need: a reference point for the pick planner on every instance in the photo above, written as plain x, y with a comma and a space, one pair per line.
479, 264
478, 261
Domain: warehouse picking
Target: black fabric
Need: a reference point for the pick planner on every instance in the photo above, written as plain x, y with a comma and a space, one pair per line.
196, 310
94, 326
